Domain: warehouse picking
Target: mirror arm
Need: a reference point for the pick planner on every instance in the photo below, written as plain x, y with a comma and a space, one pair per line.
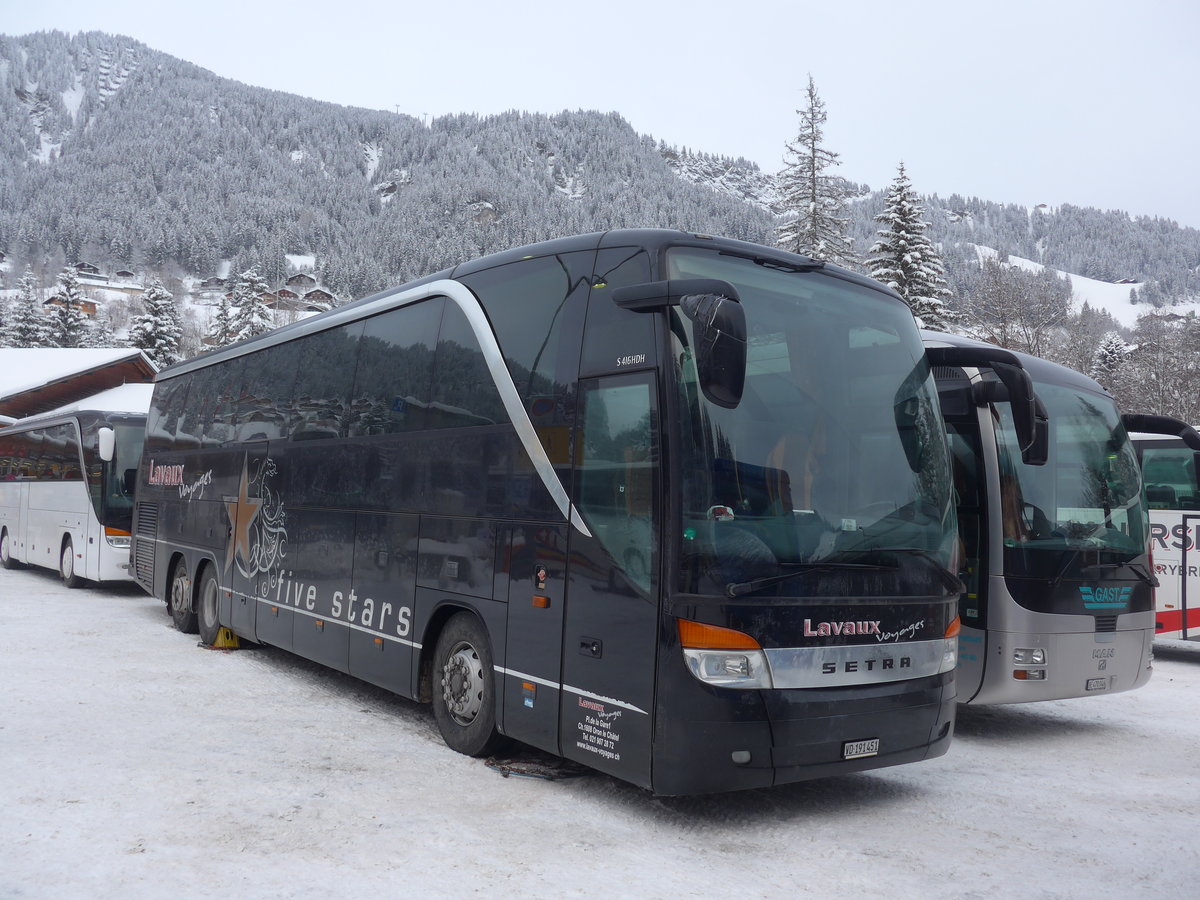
655, 295
1148, 424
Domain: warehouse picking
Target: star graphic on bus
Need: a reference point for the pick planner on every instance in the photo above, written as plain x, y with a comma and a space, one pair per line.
242, 511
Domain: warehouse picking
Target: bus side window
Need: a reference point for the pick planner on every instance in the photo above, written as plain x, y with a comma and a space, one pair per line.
617, 472
395, 370
464, 391
266, 394
324, 378
1170, 476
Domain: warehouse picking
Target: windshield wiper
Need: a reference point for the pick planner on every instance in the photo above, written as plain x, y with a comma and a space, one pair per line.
1137, 569
741, 588
949, 579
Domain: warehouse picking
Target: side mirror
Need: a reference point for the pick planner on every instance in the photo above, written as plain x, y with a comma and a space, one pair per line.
718, 329
1162, 425
1030, 420
719, 336
106, 443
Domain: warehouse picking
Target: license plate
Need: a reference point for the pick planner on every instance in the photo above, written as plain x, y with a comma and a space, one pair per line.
1097, 684
859, 749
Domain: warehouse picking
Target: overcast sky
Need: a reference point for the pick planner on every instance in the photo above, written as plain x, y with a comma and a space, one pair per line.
1090, 102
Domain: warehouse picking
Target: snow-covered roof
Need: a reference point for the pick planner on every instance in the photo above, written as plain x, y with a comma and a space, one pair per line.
130, 398
25, 369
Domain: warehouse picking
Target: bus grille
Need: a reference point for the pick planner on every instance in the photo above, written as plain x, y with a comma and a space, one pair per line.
1106, 623
143, 541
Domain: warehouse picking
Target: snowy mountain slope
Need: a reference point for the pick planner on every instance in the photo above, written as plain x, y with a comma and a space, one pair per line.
1100, 295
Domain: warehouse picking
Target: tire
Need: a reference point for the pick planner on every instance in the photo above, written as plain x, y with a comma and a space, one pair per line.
66, 565
6, 559
179, 599
464, 688
208, 607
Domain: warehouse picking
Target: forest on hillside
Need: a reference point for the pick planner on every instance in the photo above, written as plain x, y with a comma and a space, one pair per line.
114, 154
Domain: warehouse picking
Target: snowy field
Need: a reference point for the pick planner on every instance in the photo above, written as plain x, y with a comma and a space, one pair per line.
139, 765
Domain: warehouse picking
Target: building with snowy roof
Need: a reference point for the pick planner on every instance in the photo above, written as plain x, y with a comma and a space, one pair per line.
41, 379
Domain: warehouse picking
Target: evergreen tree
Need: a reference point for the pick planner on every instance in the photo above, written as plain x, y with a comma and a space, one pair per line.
66, 320
817, 200
26, 323
906, 260
158, 330
251, 315
221, 332
98, 333
1108, 363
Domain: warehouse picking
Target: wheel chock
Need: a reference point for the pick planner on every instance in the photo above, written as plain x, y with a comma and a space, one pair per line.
226, 640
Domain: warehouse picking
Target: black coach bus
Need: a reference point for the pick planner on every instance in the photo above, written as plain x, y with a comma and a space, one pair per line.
673, 506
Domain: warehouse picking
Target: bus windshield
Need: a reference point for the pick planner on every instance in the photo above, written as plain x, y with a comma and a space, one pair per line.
1087, 497
111, 492
835, 458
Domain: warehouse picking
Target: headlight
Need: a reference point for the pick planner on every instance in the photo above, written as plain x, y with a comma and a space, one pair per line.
723, 656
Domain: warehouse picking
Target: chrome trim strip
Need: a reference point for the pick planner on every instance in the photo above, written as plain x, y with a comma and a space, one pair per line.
524, 676
494, 358
324, 618
809, 667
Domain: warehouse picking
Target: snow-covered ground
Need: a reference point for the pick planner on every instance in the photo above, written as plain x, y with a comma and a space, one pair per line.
139, 765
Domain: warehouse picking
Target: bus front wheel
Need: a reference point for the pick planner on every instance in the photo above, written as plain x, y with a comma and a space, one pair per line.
180, 600
66, 565
207, 603
464, 688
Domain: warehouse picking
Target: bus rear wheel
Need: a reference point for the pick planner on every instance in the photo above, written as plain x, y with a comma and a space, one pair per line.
6, 558
179, 599
464, 688
66, 565
207, 603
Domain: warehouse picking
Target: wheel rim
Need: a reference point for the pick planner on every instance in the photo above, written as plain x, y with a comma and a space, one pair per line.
4, 547
462, 683
67, 563
208, 603
179, 597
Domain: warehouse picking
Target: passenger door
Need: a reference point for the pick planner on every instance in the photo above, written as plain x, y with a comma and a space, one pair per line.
610, 630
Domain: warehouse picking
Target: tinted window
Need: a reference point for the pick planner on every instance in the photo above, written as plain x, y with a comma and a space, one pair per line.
166, 406
617, 472
210, 412
536, 307
614, 333
464, 392
324, 378
1170, 475
266, 399
395, 370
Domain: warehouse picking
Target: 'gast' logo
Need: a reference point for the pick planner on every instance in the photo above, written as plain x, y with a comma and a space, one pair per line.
1105, 597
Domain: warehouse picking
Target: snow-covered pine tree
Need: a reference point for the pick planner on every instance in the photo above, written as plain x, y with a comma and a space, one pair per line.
816, 199
158, 330
27, 324
251, 315
66, 321
98, 333
1109, 362
906, 260
221, 332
